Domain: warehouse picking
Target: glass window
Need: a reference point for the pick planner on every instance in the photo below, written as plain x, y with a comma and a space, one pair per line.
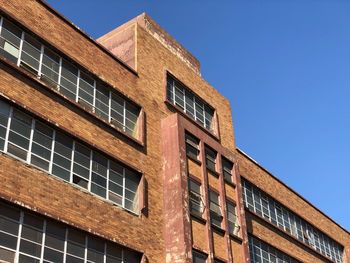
192, 146
215, 210
210, 159
232, 218
4, 117
10, 40
199, 257
41, 145
30, 56
195, 198
62, 157
227, 167
68, 81
99, 174
179, 95
81, 166
86, 91
19, 136
102, 101
50, 67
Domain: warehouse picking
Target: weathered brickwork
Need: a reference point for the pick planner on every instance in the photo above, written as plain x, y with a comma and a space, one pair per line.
142, 78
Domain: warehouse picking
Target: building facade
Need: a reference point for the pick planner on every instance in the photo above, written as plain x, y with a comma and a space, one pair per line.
117, 150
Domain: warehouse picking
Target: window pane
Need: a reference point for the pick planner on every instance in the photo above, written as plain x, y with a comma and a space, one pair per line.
81, 161
210, 158
199, 257
86, 90
30, 57
195, 197
50, 67
10, 40
192, 146
62, 156
102, 101
227, 167
4, 116
69, 78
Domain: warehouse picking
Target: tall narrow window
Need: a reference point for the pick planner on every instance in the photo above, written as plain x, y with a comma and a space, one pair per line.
210, 159
232, 218
62, 158
19, 136
81, 166
86, 91
4, 117
195, 198
102, 101
41, 145
192, 146
99, 174
30, 56
68, 81
50, 67
10, 40
215, 210
227, 167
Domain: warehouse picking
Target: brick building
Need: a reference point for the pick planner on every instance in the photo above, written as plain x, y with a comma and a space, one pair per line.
117, 150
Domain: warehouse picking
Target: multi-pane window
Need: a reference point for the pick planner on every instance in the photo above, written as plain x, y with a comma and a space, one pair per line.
215, 209
262, 204
210, 158
199, 257
192, 146
232, 219
227, 167
67, 78
179, 95
36, 143
262, 252
32, 238
195, 198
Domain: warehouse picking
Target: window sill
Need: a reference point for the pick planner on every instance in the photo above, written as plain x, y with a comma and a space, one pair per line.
180, 110
54, 90
213, 172
237, 238
232, 184
194, 160
198, 218
217, 229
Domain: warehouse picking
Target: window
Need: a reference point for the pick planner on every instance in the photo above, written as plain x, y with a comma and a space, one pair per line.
227, 167
192, 146
36, 143
215, 210
67, 78
232, 218
259, 202
10, 40
210, 159
199, 257
195, 197
39, 237
179, 95
262, 252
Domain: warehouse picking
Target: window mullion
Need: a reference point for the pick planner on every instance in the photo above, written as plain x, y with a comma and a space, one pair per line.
90, 171
107, 179
41, 60
110, 106
77, 90
20, 49
105, 252
65, 246
86, 246
72, 163
173, 86
52, 150
123, 203
19, 235
29, 156
60, 74
1, 22
8, 129
43, 242
124, 115
94, 98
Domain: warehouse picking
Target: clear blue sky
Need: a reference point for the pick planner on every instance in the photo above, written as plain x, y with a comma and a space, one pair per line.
285, 67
